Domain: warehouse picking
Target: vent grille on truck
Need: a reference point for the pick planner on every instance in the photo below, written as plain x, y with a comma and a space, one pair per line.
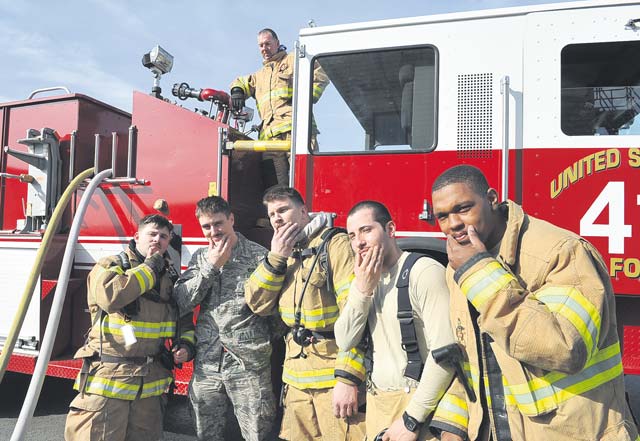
475, 107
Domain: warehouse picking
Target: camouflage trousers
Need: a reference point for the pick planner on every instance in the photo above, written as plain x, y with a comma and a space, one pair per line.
250, 394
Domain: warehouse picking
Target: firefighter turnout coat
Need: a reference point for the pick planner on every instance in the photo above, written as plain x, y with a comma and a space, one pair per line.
110, 289
272, 88
276, 285
546, 308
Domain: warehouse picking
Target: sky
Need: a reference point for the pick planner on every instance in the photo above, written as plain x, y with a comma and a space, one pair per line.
94, 47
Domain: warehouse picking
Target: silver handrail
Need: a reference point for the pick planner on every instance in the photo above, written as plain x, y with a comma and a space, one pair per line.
47, 89
294, 113
504, 91
221, 147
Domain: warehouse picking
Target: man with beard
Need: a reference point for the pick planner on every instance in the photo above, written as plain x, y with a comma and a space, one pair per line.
403, 394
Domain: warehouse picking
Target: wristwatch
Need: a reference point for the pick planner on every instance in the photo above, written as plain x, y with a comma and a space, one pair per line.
411, 424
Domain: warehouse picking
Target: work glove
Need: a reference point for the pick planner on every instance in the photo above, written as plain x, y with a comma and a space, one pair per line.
237, 99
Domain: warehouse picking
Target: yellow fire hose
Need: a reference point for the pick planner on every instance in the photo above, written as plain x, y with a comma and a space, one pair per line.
262, 146
54, 222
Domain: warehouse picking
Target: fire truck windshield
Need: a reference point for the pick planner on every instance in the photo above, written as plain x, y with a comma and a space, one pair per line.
381, 100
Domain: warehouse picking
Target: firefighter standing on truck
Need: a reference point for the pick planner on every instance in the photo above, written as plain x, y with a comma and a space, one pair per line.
126, 366
533, 309
272, 88
308, 284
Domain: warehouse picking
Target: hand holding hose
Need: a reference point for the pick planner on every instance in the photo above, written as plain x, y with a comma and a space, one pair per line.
237, 99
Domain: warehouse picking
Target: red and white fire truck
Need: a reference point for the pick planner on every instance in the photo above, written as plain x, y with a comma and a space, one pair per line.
544, 99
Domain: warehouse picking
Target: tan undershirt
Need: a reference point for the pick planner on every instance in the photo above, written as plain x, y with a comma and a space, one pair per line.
429, 298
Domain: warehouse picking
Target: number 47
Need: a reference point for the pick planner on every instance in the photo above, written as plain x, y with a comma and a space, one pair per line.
616, 230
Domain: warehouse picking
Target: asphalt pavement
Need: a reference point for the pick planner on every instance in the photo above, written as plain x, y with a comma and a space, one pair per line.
51, 411
49, 419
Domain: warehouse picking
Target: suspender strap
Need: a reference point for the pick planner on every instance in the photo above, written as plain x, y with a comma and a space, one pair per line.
319, 250
405, 317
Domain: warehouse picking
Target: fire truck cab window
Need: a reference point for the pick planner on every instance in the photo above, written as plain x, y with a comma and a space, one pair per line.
600, 90
378, 101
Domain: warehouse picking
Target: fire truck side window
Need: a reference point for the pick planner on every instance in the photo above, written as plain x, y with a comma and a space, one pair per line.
377, 101
600, 89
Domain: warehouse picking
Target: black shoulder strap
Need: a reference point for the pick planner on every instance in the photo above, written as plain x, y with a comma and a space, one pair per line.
324, 255
125, 263
327, 235
321, 250
405, 317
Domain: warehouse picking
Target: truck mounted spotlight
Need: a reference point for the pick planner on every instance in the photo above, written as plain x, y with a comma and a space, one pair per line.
159, 62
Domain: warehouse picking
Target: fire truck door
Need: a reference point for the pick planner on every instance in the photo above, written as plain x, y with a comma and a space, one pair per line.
582, 130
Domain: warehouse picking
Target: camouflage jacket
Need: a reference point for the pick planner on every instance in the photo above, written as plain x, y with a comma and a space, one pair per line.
224, 320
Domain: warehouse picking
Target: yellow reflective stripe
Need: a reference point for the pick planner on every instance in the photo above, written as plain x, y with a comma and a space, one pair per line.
472, 372
540, 394
275, 131
452, 408
189, 336
311, 318
342, 291
352, 359
266, 279
122, 390
312, 379
113, 325
155, 388
108, 388
343, 286
283, 92
145, 278
575, 307
116, 269
242, 83
485, 283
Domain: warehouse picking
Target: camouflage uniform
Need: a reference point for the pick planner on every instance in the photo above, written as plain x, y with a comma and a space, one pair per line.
233, 348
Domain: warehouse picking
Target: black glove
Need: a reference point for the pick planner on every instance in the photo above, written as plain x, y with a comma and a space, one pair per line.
237, 99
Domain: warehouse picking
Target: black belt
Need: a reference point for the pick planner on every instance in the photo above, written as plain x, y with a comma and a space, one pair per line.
325, 335
125, 360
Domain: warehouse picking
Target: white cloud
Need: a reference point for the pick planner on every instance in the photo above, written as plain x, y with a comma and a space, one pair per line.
36, 59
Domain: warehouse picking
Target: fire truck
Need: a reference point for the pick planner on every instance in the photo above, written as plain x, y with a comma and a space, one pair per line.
544, 99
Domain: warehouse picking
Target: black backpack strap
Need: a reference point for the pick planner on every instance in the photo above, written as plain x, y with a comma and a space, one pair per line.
405, 317
125, 263
324, 255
